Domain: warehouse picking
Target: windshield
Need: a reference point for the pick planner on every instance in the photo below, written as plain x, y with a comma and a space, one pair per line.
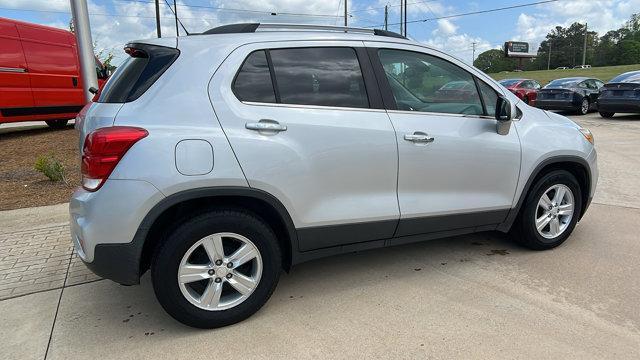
509, 82
563, 83
629, 77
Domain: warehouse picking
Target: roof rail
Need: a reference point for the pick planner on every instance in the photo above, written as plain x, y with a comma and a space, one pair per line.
256, 27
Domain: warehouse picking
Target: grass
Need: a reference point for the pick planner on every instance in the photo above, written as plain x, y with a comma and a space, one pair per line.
604, 73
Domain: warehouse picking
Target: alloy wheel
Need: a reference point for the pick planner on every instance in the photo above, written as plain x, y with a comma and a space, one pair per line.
584, 108
220, 271
554, 211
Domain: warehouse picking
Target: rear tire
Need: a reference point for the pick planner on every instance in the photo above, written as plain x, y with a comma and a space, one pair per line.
183, 249
584, 107
526, 100
57, 124
563, 192
606, 114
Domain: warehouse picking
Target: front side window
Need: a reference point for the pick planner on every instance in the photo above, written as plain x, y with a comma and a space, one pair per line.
319, 76
253, 82
435, 85
490, 98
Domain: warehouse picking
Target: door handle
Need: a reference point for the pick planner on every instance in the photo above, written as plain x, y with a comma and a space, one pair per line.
419, 137
266, 125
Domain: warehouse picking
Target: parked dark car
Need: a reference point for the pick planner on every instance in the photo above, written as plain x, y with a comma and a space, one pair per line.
579, 94
525, 89
620, 95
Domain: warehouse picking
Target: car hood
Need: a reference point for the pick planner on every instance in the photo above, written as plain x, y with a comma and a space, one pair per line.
557, 118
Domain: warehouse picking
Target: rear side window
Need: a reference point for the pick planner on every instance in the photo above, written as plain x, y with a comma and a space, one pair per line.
253, 82
146, 63
319, 76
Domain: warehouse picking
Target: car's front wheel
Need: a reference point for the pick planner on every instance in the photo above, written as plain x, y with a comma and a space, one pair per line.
216, 269
550, 211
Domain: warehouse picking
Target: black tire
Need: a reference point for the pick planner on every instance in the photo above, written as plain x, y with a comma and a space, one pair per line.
57, 124
606, 114
524, 230
166, 260
526, 100
581, 109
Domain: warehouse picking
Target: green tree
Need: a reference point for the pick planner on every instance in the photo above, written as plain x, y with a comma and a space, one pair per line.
493, 61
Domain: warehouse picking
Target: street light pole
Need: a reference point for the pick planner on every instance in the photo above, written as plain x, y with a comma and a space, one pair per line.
345, 13
80, 14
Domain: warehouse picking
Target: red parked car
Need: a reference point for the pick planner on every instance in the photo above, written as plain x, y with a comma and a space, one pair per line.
525, 89
40, 74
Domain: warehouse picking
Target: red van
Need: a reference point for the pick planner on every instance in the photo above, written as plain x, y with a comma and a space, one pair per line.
39, 74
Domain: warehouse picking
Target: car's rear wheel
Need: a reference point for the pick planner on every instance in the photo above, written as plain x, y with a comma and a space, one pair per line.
606, 114
550, 211
57, 124
584, 107
216, 269
526, 100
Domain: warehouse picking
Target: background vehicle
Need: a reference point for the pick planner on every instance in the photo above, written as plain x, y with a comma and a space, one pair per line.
39, 74
620, 95
582, 67
310, 160
579, 94
561, 68
525, 89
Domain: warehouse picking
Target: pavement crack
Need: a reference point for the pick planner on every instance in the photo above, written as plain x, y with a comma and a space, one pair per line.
55, 317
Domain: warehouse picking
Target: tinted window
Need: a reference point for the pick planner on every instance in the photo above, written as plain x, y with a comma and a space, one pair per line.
509, 82
139, 71
253, 82
563, 83
489, 96
435, 85
319, 76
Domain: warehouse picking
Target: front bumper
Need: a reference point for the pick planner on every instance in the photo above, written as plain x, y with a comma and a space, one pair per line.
105, 224
619, 105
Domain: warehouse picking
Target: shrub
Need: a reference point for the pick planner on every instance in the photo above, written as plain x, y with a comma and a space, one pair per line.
50, 167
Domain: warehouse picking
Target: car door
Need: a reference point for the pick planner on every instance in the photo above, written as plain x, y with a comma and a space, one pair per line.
53, 67
455, 171
15, 89
307, 126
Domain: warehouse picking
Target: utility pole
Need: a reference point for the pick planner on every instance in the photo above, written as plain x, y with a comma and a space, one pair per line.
401, 16
584, 46
386, 17
175, 12
345, 13
405, 17
80, 14
473, 56
158, 19
549, 58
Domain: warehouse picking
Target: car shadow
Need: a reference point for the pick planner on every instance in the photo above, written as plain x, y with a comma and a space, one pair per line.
131, 312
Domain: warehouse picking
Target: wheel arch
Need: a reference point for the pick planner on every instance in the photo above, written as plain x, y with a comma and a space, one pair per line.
168, 213
576, 165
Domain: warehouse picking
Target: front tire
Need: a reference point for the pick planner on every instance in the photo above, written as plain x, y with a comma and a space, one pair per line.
606, 114
216, 269
550, 211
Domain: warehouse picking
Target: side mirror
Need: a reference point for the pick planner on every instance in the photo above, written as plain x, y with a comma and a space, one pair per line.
504, 115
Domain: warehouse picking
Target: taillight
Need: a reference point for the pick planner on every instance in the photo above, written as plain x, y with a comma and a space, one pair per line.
103, 149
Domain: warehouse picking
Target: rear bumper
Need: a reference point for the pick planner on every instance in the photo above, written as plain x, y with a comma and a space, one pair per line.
619, 105
557, 104
105, 223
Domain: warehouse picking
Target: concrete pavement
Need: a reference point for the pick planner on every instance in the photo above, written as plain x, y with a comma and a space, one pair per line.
476, 296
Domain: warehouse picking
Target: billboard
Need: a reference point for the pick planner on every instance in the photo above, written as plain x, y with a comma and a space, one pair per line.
517, 49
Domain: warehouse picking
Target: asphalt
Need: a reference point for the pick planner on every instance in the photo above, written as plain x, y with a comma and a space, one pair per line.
475, 296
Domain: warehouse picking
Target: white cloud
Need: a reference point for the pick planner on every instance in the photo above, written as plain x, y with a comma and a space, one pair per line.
44, 5
446, 38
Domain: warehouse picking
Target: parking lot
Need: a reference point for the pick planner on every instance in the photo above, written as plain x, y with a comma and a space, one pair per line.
474, 296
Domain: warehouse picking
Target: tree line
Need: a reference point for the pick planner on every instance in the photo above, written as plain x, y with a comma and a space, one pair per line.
616, 47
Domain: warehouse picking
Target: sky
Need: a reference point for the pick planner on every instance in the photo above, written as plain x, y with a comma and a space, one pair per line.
115, 22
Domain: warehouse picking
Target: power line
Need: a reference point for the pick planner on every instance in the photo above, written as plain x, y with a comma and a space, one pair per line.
475, 12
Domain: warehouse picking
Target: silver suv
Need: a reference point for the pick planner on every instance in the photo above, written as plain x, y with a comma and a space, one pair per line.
217, 160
